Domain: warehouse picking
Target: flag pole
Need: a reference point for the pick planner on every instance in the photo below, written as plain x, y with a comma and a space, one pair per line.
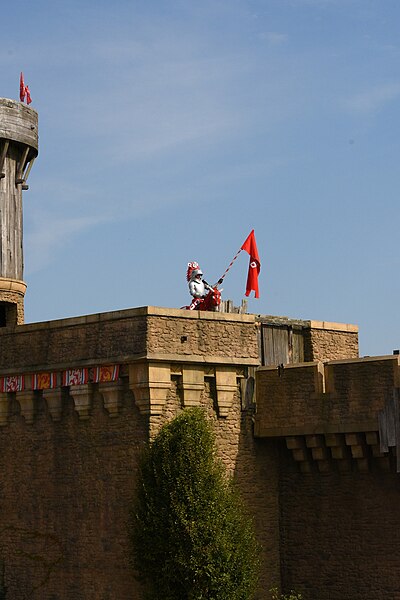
230, 265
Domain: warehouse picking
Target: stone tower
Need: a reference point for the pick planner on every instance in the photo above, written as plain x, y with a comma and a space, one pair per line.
18, 150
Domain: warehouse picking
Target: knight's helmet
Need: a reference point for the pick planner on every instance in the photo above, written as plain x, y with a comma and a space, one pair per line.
18, 150
193, 270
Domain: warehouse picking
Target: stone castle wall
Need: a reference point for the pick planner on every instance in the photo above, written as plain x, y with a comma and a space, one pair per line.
339, 489
69, 455
340, 533
315, 397
68, 485
330, 341
66, 491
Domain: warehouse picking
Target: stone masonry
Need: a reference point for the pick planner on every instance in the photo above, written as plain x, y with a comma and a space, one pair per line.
338, 478
305, 450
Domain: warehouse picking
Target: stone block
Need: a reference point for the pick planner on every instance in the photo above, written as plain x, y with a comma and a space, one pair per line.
227, 387
192, 385
112, 393
150, 384
26, 402
82, 396
53, 398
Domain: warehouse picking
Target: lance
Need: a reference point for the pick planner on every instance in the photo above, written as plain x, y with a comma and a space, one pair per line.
220, 280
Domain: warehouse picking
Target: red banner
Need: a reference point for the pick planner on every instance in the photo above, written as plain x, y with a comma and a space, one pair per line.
105, 373
44, 381
75, 377
250, 247
12, 383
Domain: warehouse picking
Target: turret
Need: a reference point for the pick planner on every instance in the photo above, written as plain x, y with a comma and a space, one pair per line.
18, 150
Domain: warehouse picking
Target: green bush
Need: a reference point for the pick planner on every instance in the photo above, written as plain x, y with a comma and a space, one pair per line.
275, 595
191, 537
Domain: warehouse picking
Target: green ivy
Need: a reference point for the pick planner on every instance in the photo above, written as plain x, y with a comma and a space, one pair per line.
275, 595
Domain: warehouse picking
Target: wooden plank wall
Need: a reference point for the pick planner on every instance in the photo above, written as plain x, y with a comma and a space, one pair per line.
281, 344
11, 254
19, 123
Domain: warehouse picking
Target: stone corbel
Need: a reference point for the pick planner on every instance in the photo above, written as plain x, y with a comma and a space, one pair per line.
26, 403
53, 399
112, 393
3, 408
150, 384
226, 386
192, 385
82, 396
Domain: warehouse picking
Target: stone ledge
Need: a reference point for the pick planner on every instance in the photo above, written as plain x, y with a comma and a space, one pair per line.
12, 285
203, 359
134, 358
315, 363
317, 429
365, 359
143, 311
329, 326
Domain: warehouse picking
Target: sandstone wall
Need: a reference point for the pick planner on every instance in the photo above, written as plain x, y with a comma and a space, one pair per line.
339, 490
330, 341
338, 396
340, 534
127, 335
66, 489
69, 456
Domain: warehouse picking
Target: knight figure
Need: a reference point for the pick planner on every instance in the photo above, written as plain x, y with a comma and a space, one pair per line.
198, 287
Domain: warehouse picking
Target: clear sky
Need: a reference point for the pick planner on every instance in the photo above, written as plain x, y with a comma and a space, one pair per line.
170, 129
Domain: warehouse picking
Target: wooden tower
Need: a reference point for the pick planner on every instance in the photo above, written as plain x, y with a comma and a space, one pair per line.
18, 150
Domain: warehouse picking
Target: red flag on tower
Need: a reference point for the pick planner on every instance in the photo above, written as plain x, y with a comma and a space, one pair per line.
250, 247
22, 91
28, 95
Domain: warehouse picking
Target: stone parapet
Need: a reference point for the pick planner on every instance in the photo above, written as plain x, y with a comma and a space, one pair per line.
329, 412
139, 334
151, 346
310, 398
324, 340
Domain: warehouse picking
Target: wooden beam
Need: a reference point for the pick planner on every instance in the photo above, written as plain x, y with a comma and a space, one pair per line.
25, 176
2, 157
28, 169
21, 166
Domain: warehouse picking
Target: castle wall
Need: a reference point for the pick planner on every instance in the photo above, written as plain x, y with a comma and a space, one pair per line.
330, 341
69, 456
132, 334
316, 398
340, 534
67, 488
339, 492
66, 491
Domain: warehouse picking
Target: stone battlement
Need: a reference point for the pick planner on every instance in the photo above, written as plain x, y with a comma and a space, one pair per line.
149, 345
329, 411
149, 333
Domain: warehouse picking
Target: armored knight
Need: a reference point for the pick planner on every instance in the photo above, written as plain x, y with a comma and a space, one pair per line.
198, 288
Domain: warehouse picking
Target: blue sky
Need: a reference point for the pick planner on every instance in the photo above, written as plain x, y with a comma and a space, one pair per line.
168, 130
